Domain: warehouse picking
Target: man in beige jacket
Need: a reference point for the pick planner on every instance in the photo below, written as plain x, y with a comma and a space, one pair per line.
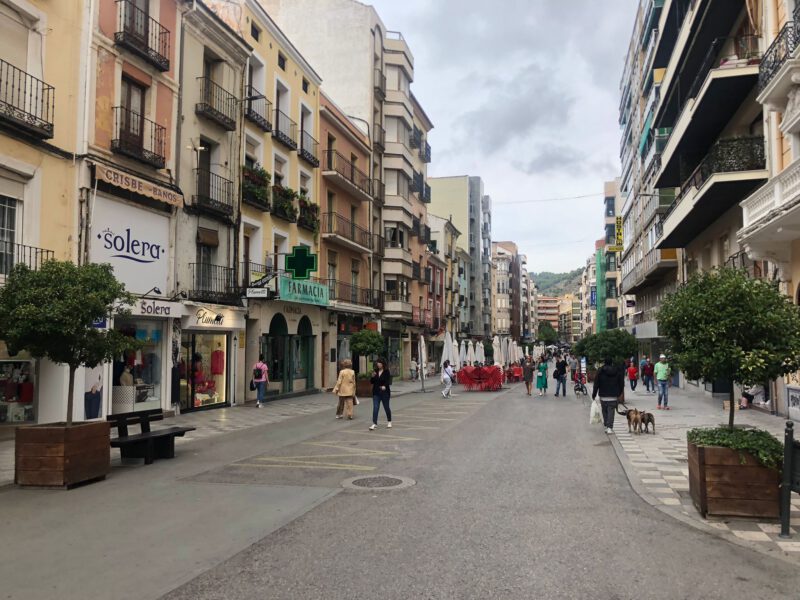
345, 388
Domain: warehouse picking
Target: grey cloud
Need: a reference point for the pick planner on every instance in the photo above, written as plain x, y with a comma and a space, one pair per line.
552, 157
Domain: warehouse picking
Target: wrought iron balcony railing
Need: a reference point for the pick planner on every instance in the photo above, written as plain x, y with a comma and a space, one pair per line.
308, 215
138, 138
778, 53
415, 227
142, 35
12, 254
335, 161
378, 137
335, 224
380, 84
426, 193
378, 190
255, 187
257, 109
309, 149
283, 205
26, 102
416, 138
214, 193
214, 284
745, 47
378, 245
416, 271
285, 130
425, 152
217, 104
347, 292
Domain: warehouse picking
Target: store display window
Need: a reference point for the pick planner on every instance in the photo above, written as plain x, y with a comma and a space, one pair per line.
136, 376
16, 390
203, 370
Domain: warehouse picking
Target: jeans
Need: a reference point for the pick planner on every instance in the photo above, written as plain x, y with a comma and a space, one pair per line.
633, 384
648, 382
376, 405
663, 391
609, 408
448, 384
261, 391
561, 383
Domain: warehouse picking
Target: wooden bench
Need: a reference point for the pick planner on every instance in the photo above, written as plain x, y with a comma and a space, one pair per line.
148, 444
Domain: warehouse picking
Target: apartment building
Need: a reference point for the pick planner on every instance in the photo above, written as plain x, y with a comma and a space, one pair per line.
569, 318
547, 309
502, 292
588, 296
768, 240
462, 197
518, 263
526, 297
610, 273
42, 124
443, 247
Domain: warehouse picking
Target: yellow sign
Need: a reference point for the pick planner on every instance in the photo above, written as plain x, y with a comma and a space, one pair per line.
619, 232
137, 185
614, 248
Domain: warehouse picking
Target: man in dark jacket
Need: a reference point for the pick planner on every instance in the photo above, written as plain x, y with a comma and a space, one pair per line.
609, 383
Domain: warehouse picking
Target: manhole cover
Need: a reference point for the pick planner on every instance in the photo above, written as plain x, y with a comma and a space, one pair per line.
378, 482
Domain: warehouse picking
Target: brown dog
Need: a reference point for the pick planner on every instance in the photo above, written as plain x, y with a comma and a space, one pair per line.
647, 419
635, 420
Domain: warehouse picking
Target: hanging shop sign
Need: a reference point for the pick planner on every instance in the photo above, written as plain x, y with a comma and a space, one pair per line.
593, 297
134, 241
210, 317
619, 240
304, 292
137, 185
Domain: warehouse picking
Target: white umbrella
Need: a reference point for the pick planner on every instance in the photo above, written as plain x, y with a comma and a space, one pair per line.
447, 350
526, 352
480, 355
497, 350
504, 350
423, 357
470, 353
456, 356
512, 353
462, 354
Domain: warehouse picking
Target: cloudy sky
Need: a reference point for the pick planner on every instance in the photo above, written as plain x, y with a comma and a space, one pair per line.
524, 93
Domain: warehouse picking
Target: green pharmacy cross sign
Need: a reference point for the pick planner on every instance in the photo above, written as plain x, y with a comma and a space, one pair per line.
301, 262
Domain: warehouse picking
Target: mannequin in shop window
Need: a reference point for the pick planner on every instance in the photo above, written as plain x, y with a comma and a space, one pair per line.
218, 366
126, 379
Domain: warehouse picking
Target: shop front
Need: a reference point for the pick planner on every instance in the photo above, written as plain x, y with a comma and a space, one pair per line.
207, 356
17, 398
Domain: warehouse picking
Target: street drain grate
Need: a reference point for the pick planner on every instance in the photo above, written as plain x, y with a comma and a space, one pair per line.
377, 482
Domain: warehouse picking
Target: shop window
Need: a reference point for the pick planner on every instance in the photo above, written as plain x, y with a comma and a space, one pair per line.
203, 370
136, 375
16, 387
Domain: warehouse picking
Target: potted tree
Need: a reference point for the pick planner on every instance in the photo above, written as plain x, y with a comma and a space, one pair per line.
724, 325
367, 343
53, 313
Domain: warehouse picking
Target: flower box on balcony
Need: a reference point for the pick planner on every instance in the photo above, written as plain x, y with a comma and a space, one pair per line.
283, 203
309, 215
255, 186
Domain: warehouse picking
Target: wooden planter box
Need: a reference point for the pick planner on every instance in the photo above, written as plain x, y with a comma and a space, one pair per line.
363, 388
721, 485
55, 455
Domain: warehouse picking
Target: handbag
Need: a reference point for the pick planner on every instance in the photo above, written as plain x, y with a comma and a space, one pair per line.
355, 401
252, 386
555, 374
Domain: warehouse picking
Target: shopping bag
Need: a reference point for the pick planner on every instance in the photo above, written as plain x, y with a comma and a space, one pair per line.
595, 413
355, 400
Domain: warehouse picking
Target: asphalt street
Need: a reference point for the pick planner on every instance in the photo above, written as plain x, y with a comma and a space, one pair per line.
515, 497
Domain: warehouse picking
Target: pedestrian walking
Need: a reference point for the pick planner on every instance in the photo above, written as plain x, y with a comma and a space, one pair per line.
633, 376
527, 373
561, 375
573, 367
345, 389
642, 363
647, 375
662, 372
414, 370
448, 377
260, 379
609, 384
381, 393
541, 376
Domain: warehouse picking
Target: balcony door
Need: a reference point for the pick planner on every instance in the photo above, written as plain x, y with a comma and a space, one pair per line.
204, 170
8, 227
136, 19
132, 124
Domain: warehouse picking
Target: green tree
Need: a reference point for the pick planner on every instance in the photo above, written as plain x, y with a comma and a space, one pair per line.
366, 342
616, 344
547, 334
50, 313
726, 325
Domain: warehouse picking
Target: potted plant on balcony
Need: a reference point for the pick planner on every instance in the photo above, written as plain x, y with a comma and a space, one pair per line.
725, 325
367, 343
255, 185
283, 203
54, 313
309, 214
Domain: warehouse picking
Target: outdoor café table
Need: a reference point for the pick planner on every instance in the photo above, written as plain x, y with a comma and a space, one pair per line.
485, 379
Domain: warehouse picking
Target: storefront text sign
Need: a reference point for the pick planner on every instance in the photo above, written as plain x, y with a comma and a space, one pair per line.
203, 317
304, 292
157, 308
138, 185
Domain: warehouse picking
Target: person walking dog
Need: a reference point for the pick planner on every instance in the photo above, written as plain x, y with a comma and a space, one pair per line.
345, 388
609, 384
662, 371
448, 376
381, 393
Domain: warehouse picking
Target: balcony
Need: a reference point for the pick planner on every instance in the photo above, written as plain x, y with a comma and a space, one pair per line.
214, 194
142, 35
416, 271
308, 217
18, 254
216, 104
775, 77
378, 138
730, 172
379, 81
214, 284
138, 138
425, 234
257, 109
256, 275
396, 305
378, 191
338, 169
418, 184
378, 245
425, 152
283, 205
26, 103
416, 227
285, 130
341, 291
309, 151
426, 194
337, 229
255, 187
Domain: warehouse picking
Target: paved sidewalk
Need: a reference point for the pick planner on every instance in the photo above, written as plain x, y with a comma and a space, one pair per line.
657, 465
210, 423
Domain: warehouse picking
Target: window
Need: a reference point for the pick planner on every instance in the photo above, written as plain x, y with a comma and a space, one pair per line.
305, 85
255, 32
281, 61
305, 182
279, 175
132, 100
332, 263
8, 227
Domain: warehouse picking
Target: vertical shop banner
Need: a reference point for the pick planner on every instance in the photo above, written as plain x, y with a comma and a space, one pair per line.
601, 292
135, 241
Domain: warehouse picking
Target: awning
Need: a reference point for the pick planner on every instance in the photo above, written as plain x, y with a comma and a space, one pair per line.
648, 123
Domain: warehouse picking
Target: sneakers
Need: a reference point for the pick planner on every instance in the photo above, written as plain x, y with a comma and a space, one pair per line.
338, 416
258, 405
609, 430
389, 425
372, 427
444, 395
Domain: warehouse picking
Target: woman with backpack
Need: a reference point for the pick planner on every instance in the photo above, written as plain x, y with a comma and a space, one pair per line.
260, 379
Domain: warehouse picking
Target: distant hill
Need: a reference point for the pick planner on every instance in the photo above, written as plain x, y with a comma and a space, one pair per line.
556, 284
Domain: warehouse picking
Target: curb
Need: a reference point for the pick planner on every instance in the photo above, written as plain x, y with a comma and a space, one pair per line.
642, 492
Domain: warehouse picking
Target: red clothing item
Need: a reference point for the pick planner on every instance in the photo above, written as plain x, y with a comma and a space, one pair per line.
633, 373
649, 369
217, 362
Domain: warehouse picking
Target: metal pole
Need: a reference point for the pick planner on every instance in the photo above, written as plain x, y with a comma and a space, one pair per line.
786, 483
422, 366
